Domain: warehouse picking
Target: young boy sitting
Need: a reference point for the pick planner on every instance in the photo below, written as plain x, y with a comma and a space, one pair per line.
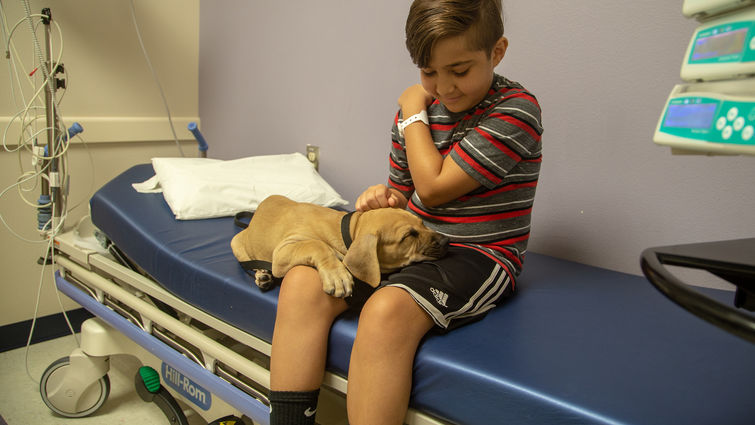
465, 158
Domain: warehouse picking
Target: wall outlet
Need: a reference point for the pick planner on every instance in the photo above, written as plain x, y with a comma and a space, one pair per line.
313, 155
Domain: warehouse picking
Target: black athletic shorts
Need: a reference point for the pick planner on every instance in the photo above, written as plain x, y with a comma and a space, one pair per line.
454, 290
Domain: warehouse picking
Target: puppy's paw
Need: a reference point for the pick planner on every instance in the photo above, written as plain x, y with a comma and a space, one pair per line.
263, 279
336, 281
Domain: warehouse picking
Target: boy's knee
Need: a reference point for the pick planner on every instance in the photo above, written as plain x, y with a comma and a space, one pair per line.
301, 291
300, 279
394, 310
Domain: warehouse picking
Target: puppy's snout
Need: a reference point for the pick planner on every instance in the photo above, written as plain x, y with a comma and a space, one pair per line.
438, 246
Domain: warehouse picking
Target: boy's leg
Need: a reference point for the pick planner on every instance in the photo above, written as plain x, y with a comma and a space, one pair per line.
449, 292
300, 341
391, 326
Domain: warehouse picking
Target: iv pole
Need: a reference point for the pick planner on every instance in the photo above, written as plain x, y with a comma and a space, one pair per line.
52, 195
54, 171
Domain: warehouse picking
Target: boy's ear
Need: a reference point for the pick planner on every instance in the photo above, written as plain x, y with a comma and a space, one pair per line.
499, 50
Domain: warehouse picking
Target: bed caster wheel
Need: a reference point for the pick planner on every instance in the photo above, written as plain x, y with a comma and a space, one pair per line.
68, 395
231, 420
147, 382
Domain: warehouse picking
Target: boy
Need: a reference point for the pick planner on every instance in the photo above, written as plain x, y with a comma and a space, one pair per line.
465, 158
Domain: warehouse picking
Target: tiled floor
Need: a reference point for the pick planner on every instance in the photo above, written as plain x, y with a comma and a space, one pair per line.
21, 404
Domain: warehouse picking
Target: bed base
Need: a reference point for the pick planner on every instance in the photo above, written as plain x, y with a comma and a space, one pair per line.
213, 367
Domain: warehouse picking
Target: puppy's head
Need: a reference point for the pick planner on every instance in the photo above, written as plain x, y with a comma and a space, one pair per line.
387, 239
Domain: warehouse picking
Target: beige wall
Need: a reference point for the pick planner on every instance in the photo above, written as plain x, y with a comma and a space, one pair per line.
111, 90
112, 94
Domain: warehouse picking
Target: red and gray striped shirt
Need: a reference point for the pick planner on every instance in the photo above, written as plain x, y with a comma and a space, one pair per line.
498, 144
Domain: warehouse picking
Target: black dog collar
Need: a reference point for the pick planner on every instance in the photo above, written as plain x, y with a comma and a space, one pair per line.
345, 233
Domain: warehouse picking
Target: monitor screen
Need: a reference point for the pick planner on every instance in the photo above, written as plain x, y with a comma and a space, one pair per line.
691, 115
719, 44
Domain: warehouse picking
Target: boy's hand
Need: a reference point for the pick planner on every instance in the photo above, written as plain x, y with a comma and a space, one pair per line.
379, 196
414, 100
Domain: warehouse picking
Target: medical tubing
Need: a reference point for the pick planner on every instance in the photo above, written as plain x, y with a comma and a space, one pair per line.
26, 120
45, 219
49, 96
11, 52
10, 47
154, 77
45, 72
198, 135
23, 179
37, 48
35, 315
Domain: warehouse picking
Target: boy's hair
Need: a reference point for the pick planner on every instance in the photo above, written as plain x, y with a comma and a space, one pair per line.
433, 20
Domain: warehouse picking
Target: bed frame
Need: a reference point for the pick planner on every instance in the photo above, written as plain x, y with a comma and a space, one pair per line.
578, 344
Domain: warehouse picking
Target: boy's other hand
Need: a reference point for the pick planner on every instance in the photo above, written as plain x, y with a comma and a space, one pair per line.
414, 100
379, 196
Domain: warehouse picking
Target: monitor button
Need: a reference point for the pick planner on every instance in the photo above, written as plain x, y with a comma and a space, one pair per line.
739, 123
733, 112
747, 133
726, 134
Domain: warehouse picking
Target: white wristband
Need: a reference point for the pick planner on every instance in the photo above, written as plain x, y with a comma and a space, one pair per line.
422, 116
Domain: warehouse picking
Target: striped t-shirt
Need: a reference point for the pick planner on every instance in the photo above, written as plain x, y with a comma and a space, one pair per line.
498, 144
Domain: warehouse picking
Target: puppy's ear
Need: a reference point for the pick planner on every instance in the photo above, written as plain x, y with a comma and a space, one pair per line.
362, 261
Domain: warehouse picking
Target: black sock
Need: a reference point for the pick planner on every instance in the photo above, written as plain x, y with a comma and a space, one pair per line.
293, 407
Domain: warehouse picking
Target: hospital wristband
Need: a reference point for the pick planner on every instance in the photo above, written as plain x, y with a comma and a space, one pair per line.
422, 116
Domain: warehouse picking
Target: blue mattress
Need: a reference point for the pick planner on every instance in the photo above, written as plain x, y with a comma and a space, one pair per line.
578, 344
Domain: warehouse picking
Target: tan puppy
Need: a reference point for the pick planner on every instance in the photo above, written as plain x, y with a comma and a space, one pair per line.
288, 234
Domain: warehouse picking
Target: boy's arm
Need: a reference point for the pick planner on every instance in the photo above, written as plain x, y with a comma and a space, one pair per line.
436, 180
400, 186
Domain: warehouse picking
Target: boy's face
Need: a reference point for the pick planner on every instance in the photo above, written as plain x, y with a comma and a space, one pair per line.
460, 78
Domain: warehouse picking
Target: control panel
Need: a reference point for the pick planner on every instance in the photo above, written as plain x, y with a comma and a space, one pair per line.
707, 121
723, 48
713, 111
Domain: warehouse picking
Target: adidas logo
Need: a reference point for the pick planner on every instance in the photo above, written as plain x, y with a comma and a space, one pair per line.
440, 296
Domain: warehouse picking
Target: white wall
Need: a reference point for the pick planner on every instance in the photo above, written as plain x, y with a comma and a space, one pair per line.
277, 75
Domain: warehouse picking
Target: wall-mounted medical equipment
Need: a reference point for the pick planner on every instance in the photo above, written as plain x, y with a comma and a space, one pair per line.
704, 117
723, 48
713, 112
704, 9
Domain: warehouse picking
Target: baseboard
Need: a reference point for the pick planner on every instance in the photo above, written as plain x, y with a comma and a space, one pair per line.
49, 327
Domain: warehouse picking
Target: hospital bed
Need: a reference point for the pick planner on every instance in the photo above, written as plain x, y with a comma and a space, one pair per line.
577, 345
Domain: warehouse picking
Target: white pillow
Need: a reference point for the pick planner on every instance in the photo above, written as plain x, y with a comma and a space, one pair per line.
196, 188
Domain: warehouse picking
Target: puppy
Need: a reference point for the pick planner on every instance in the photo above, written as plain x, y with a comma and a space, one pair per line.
288, 233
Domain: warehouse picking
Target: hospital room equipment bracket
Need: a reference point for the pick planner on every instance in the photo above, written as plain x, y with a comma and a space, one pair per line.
730, 260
